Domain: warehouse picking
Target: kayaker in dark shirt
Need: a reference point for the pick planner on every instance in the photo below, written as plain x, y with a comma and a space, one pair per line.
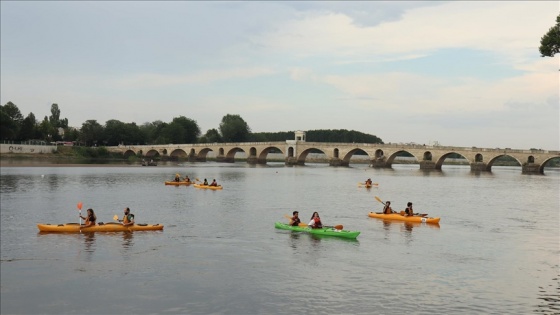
214, 183
409, 212
368, 182
315, 222
295, 221
205, 182
387, 209
187, 179
177, 178
90, 218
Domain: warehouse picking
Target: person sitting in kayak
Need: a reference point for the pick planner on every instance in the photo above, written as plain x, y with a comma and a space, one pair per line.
214, 183
387, 209
408, 211
177, 178
128, 218
205, 182
90, 218
295, 221
315, 222
187, 179
368, 182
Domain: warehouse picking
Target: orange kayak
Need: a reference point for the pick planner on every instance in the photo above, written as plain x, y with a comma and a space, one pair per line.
106, 227
399, 217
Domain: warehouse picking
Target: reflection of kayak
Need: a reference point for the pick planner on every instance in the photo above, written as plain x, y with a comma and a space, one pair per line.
323, 231
101, 227
178, 183
399, 217
208, 186
407, 224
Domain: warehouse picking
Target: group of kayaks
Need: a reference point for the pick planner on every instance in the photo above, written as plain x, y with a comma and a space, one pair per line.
196, 185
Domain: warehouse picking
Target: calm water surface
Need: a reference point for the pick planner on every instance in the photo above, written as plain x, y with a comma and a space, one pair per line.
495, 251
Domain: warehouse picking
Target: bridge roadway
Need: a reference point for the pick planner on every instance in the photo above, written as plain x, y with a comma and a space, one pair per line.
339, 154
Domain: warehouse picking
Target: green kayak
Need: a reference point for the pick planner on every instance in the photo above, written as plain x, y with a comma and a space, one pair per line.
329, 231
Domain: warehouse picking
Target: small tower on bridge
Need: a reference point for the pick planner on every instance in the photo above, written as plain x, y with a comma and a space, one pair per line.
300, 136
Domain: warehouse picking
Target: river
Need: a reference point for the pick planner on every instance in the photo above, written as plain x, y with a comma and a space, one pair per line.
495, 251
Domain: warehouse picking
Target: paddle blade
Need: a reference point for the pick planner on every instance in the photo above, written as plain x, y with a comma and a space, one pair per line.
287, 217
115, 217
338, 227
378, 199
302, 225
80, 204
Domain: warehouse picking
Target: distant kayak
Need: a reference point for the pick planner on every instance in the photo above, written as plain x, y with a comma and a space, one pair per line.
329, 231
399, 217
105, 227
208, 186
177, 183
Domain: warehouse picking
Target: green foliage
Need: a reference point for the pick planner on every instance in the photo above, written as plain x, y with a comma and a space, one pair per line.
91, 132
341, 135
211, 136
9, 127
550, 42
234, 129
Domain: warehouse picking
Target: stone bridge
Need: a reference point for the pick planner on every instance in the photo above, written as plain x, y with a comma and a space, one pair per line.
295, 152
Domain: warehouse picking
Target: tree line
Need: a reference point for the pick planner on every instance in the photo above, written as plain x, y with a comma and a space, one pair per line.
181, 130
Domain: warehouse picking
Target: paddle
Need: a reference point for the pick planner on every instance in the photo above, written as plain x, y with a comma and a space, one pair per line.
301, 224
80, 204
372, 184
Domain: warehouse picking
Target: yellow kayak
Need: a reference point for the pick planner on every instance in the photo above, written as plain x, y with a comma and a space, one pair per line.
208, 186
399, 217
102, 227
177, 183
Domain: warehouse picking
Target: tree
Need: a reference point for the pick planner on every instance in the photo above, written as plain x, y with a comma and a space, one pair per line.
190, 130
211, 136
550, 42
91, 132
234, 129
28, 129
10, 121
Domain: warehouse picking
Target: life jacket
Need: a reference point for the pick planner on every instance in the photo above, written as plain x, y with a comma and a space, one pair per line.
387, 210
90, 218
317, 224
128, 218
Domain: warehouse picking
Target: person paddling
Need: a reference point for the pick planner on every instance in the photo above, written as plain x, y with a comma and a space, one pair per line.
214, 183
128, 218
295, 221
387, 209
369, 182
90, 218
408, 211
315, 222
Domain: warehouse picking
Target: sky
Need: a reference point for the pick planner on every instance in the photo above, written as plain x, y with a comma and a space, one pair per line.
457, 73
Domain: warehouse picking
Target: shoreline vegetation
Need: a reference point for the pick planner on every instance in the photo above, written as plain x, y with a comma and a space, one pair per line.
92, 156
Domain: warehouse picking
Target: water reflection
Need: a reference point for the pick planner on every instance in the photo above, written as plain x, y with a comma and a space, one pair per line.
89, 245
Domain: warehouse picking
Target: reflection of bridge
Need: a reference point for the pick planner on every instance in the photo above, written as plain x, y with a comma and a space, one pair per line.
339, 154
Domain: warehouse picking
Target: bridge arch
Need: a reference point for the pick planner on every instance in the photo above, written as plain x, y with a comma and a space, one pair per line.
128, 153
427, 156
348, 157
393, 156
178, 153
230, 156
152, 153
262, 156
201, 156
442, 158
303, 155
495, 158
